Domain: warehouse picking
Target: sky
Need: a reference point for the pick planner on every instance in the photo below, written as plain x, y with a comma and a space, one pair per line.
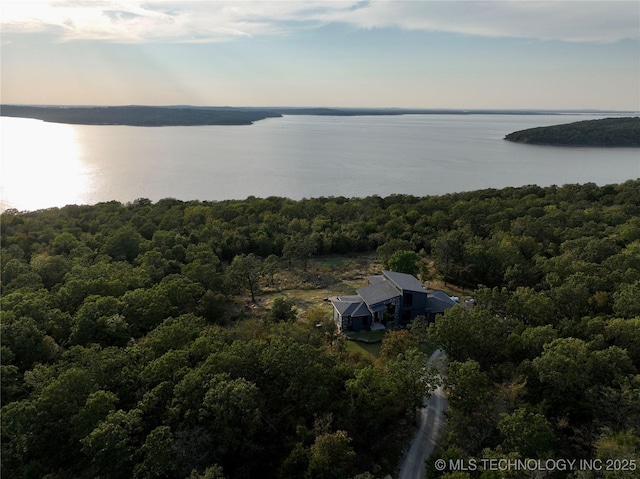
519, 54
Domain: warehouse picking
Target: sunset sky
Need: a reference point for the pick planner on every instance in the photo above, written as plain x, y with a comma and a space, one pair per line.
422, 54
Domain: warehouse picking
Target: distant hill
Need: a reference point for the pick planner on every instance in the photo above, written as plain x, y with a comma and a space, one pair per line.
138, 115
189, 115
604, 132
186, 115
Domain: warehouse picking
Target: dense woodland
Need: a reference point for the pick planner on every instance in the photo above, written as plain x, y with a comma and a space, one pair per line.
129, 348
605, 132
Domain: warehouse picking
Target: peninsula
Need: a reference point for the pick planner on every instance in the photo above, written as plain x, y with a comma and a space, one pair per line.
605, 132
138, 115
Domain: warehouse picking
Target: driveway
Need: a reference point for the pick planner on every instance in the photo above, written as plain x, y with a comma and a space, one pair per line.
431, 420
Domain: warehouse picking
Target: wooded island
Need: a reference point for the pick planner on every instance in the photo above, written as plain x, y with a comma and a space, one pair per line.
604, 132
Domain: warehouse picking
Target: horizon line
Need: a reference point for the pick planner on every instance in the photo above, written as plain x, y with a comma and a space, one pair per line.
264, 107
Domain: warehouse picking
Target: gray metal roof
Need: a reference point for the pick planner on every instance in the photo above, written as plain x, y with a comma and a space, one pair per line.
350, 299
439, 302
361, 311
377, 293
347, 306
406, 282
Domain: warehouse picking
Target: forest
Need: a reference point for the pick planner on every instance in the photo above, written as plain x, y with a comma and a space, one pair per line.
604, 132
132, 347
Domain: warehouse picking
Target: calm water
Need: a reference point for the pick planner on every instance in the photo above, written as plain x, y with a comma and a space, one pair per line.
47, 164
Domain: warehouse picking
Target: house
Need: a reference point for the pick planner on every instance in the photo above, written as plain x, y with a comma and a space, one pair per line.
390, 299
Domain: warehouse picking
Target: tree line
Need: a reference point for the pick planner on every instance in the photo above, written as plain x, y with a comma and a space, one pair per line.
127, 350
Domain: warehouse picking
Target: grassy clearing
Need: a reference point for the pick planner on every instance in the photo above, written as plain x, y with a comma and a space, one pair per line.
334, 275
372, 350
368, 335
368, 350
325, 276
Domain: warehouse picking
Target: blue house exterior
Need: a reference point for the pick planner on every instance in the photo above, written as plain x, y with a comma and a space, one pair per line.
390, 299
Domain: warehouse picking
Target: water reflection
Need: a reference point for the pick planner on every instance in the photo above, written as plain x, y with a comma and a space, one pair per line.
47, 164
41, 165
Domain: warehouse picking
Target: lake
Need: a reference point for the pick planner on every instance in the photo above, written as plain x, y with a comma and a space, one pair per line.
47, 164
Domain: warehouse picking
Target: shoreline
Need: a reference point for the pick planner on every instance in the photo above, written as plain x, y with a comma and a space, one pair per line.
156, 116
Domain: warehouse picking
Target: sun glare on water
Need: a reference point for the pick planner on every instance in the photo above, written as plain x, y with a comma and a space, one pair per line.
41, 165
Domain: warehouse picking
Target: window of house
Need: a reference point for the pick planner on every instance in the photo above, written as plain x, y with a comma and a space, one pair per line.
407, 299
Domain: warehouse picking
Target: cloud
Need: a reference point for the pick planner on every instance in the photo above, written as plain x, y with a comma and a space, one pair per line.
215, 21
153, 21
572, 21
